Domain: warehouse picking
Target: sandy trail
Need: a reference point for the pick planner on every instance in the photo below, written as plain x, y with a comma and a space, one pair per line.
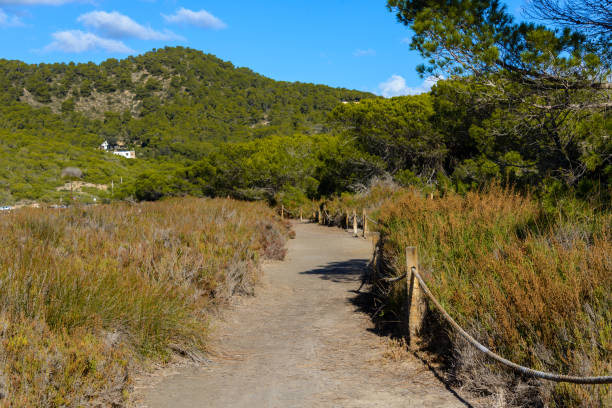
301, 342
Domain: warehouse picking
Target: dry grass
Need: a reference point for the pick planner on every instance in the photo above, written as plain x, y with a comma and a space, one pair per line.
371, 199
89, 294
396, 350
533, 286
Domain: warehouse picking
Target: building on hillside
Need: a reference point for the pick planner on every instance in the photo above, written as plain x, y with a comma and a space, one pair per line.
128, 154
118, 149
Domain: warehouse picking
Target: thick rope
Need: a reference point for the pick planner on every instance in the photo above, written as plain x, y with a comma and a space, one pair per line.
399, 278
293, 213
371, 220
524, 370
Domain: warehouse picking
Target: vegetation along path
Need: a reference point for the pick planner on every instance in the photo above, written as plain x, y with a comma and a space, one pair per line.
302, 342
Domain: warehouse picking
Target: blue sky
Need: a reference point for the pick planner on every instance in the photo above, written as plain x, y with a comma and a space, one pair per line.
355, 44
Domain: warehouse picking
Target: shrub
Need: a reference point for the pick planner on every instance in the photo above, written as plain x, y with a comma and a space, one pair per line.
532, 285
86, 294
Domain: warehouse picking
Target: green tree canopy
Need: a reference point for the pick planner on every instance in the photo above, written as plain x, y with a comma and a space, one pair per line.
398, 130
540, 92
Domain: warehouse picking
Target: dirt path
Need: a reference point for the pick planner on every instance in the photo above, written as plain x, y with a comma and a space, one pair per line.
302, 343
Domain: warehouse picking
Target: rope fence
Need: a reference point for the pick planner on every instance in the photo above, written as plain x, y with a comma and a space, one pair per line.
372, 221
416, 285
323, 217
607, 379
416, 302
399, 278
293, 214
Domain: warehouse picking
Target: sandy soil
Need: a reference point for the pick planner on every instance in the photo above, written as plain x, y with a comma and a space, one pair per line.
302, 342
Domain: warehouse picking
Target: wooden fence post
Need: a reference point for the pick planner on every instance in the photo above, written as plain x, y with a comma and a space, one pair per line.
415, 301
355, 223
347, 219
301, 216
320, 217
282, 212
365, 224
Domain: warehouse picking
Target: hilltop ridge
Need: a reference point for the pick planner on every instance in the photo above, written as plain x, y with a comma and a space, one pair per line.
140, 84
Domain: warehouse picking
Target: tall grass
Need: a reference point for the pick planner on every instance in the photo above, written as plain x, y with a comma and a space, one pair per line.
86, 295
371, 200
335, 208
533, 285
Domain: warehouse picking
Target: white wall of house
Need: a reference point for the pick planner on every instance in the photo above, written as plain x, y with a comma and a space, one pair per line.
128, 154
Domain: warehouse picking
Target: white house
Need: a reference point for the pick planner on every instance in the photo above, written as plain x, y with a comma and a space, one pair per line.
128, 154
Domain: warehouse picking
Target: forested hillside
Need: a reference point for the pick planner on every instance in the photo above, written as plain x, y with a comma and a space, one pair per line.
173, 105
184, 92
202, 127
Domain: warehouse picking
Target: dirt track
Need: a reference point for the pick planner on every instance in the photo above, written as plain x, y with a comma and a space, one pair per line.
302, 342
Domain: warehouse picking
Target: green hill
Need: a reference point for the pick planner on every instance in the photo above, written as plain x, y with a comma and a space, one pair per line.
180, 92
173, 106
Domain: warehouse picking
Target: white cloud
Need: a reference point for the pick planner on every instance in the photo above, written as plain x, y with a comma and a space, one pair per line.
75, 41
365, 53
9, 21
116, 25
396, 86
202, 19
